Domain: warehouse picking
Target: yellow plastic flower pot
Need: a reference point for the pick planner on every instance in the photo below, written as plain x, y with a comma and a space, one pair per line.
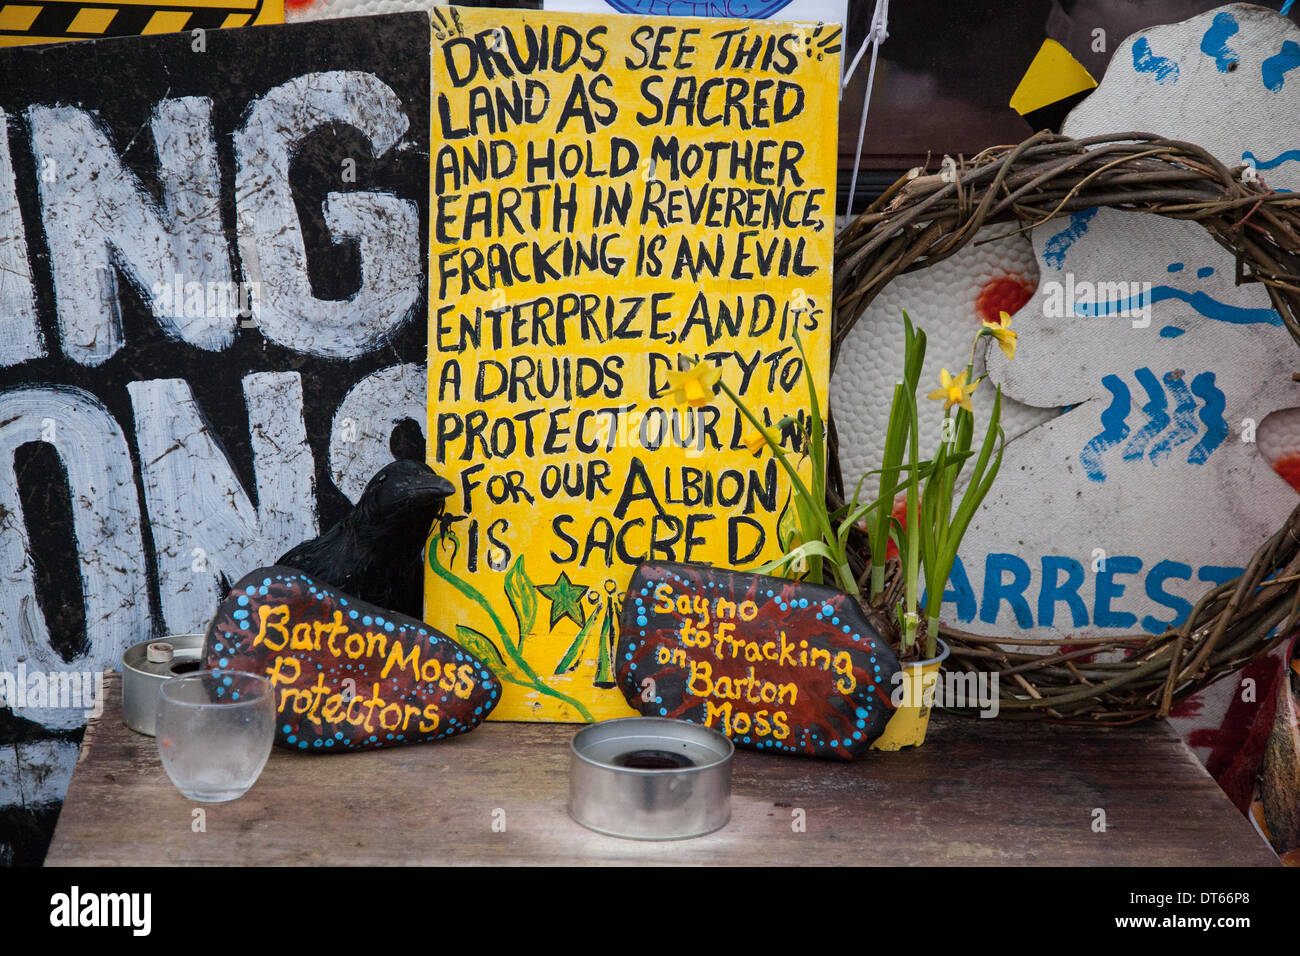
912, 714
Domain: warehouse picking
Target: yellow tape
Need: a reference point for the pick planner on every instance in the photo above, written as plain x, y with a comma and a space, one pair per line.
17, 16
92, 20
55, 20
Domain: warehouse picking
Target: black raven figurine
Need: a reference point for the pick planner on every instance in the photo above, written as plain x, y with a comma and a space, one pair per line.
377, 551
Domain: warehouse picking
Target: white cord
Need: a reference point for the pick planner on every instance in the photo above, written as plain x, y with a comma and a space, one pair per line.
877, 35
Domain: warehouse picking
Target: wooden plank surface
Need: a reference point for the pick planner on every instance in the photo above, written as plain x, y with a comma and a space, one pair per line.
978, 792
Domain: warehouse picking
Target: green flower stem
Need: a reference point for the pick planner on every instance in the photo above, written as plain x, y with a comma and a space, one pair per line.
912, 530
814, 509
970, 366
896, 435
474, 595
893, 457
932, 635
818, 449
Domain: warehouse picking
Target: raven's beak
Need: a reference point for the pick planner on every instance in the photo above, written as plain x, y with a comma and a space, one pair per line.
433, 488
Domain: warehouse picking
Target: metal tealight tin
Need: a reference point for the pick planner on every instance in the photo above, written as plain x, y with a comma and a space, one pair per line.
649, 778
145, 666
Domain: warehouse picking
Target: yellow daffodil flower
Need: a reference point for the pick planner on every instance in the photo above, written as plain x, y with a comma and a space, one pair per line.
694, 386
954, 391
756, 441
1001, 330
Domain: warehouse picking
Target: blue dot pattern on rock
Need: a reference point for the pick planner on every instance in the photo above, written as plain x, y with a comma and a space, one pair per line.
347, 675
779, 666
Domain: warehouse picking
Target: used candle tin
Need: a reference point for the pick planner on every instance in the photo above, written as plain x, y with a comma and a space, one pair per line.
649, 778
145, 666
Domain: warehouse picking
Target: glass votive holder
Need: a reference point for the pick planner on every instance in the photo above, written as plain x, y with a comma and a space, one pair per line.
214, 732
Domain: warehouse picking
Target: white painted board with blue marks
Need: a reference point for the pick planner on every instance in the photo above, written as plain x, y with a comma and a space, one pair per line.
1162, 476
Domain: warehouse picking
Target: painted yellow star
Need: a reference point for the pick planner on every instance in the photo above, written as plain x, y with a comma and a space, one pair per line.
1001, 330
954, 391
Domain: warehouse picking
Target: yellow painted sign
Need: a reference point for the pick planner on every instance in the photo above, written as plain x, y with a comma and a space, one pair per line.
611, 195
46, 21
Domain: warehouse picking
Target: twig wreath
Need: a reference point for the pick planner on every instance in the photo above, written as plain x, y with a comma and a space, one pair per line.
924, 218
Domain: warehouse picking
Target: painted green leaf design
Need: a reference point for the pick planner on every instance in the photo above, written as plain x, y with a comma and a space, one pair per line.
523, 597
481, 646
571, 657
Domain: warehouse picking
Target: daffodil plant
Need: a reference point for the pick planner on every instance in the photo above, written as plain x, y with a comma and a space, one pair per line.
931, 531
822, 540
928, 538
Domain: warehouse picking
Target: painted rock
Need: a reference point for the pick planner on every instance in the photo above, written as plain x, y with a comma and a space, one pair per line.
347, 675
778, 666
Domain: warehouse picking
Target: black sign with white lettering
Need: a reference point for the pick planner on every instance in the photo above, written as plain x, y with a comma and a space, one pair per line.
212, 299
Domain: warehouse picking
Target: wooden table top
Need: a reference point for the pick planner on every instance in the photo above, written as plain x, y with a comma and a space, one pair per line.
978, 792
